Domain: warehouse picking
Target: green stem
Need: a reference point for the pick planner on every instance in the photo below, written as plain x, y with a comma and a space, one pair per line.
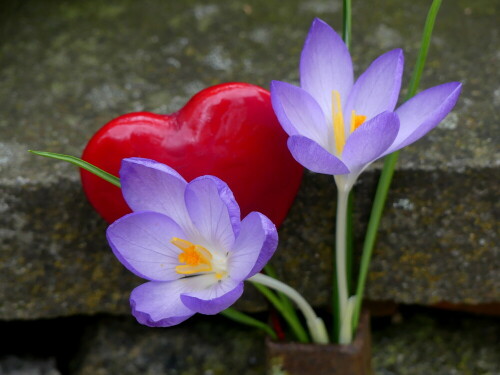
336, 322
294, 324
243, 318
350, 242
341, 263
338, 303
371, 232
314, 323
388, 169
346, 331
346, 15
285, 301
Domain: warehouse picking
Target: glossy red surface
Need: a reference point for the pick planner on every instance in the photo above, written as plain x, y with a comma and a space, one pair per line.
228, 130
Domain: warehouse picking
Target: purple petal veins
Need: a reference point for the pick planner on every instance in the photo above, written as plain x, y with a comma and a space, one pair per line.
140, 242
325, 65
371, 139
339, 128
424, 112
188, 239
254, 246
213, 300
158, 304
300, 113
377, 89
216, 217
144, 186
314, 157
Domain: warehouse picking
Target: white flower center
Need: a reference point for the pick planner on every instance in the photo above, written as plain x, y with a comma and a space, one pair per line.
195, 259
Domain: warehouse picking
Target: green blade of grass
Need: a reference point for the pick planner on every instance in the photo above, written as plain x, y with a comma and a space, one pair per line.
389, 166
346, 15
285, 301
243, 318
295, 325
82, 164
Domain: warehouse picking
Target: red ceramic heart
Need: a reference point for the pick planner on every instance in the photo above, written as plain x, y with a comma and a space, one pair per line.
228, 130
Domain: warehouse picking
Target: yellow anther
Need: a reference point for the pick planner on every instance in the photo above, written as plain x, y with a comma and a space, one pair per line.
356, 120
195, 258
190, 257
189, 270
338, 121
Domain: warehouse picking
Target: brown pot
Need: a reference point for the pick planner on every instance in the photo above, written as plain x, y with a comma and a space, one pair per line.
291, 358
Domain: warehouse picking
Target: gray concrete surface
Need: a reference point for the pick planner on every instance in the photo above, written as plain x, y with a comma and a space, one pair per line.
66, 68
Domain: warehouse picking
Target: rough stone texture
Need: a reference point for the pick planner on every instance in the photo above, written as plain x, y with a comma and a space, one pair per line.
198, 347
66, 68
424, 256
419, 344
12, 365
424, 344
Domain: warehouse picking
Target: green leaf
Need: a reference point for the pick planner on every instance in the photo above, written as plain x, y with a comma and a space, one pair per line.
347, 16
295, 325
285, 301
388, 169
82, 164
243, 318
424, 49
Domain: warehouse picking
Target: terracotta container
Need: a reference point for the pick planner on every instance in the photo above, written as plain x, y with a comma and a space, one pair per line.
291, 358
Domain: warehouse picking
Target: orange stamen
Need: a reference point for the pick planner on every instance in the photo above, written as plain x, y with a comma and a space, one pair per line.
194, 258
356, 120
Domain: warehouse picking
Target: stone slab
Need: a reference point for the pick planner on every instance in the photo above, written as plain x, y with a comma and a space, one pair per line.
66, 68
419, 343
423, 343
198, 347
13, 365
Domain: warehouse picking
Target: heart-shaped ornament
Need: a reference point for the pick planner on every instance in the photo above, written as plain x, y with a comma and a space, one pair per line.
229, 131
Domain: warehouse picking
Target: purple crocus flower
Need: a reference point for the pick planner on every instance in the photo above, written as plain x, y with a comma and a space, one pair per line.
187, 239
338, 126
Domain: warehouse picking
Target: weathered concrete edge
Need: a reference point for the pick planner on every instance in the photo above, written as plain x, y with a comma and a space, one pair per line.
56, 262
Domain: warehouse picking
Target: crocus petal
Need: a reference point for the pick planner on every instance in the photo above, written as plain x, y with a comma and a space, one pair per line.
299, 113
377, 89
158, 304
325, 65
370, 140
141, 242
213, 300
151, 186
314, 157
254, 246
214, 212
425, 111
